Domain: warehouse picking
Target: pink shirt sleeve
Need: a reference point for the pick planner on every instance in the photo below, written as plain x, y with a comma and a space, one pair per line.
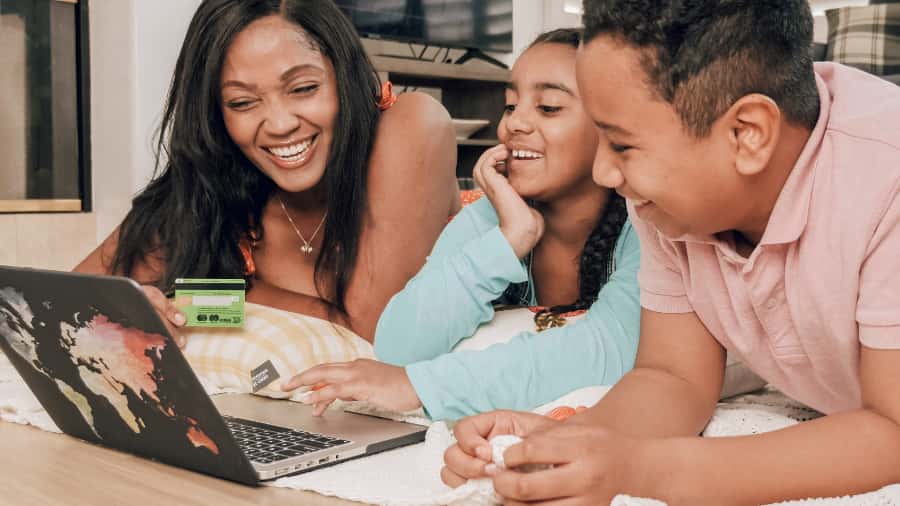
878, 306
660, 276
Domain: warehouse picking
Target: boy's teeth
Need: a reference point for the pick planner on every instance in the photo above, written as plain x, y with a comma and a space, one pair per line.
291, 151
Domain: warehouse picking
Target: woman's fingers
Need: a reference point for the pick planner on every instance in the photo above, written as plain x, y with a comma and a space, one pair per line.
172, 317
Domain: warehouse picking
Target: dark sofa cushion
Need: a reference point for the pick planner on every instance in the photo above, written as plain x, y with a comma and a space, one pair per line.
865, 37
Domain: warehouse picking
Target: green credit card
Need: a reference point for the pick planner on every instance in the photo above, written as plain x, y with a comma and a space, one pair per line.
211, 302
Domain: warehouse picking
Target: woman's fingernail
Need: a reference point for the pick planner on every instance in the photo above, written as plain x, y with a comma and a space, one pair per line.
491, 469
179, 319
484, 453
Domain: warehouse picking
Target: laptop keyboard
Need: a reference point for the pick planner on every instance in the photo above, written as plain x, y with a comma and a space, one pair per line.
264, 443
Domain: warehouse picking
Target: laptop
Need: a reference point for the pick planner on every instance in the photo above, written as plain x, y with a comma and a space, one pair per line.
100, 361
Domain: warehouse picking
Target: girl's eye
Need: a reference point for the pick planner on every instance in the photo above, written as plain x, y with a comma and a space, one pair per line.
618, 148
549, 109
305, 89
508, 108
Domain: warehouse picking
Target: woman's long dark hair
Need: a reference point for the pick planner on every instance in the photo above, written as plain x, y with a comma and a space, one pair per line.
209, 196
596, 263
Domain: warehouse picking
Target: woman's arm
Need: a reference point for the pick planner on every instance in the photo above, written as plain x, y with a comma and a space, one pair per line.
533, 369
410, 196
471, 265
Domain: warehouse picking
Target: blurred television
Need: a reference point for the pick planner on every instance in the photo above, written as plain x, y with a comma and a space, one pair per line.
484, 25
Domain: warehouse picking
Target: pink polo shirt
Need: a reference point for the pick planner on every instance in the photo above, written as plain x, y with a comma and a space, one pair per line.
826, 275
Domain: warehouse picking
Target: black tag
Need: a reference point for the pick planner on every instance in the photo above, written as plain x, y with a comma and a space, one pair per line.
263, 376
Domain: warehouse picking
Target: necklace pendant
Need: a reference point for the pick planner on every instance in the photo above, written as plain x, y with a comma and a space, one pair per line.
306, 248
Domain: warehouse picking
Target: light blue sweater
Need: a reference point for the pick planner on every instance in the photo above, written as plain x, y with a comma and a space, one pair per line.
471, 265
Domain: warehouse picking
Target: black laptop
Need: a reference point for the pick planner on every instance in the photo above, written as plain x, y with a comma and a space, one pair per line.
101, 362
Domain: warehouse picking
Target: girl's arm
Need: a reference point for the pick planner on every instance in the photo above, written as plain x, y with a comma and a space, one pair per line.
533, 369
471, 265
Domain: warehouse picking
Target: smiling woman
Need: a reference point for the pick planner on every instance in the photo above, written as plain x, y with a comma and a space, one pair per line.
278, 165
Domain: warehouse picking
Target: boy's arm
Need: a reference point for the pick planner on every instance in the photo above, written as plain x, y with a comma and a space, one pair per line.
674, 386
846, 453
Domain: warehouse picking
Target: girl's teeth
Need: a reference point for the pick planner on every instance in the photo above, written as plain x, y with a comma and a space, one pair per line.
522, 154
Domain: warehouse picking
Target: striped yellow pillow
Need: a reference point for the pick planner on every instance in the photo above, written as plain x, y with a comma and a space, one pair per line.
223, 358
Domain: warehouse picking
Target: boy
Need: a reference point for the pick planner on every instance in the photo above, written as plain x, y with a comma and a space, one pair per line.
766, 194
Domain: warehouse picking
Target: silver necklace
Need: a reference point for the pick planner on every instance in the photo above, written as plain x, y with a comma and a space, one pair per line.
307, 246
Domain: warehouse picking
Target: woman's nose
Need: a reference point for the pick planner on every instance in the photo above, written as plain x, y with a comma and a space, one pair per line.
280, 120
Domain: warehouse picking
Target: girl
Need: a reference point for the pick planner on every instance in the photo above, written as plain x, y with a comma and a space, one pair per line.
545, 235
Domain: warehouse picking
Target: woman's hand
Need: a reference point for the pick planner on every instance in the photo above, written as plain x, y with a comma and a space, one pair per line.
168, 312
521, 224
383, 385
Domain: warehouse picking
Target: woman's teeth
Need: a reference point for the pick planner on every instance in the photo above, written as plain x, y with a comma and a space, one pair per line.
292, 152
521, 154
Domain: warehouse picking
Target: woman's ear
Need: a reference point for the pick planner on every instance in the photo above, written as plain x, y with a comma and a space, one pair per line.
755, 122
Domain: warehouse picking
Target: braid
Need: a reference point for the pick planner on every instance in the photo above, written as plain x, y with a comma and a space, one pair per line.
595, 266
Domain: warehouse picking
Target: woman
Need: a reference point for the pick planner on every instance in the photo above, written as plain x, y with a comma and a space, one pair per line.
279, 167
545, 235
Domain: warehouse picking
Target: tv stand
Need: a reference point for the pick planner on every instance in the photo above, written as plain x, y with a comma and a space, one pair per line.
478, 54
466, 91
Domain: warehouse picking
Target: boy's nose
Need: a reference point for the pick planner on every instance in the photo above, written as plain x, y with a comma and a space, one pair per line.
606, 171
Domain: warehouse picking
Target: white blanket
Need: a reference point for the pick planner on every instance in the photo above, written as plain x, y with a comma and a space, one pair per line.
410, 476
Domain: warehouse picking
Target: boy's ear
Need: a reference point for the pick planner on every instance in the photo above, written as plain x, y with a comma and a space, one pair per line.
755, 123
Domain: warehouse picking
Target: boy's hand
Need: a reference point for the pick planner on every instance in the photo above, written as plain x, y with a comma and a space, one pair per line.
472, 452
382, 385
521, 224
591, 465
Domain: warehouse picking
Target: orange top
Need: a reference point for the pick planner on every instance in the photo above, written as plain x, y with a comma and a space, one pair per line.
387, 100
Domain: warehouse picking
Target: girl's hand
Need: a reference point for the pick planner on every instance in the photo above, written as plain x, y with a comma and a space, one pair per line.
383, 385
522, 225
168, 312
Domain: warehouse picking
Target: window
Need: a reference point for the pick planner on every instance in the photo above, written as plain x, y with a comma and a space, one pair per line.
44, 139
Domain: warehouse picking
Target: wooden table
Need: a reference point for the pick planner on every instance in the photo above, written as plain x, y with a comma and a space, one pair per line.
38, 467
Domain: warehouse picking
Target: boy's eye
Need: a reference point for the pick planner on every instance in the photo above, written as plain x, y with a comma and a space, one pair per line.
618, 148
508, 108
549, 109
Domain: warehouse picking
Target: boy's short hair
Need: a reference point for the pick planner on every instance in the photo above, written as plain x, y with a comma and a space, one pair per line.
703, 55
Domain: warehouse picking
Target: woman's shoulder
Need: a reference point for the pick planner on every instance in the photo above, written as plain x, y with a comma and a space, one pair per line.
414, 141
415, 123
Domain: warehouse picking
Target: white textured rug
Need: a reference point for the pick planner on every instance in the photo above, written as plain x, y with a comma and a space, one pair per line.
410, 476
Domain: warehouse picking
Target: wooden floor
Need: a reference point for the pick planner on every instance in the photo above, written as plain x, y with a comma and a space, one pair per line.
38, 467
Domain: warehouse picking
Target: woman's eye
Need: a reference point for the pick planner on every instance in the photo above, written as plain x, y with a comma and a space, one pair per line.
239, 105
305, 89
508, 108
618, 148
549, 109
